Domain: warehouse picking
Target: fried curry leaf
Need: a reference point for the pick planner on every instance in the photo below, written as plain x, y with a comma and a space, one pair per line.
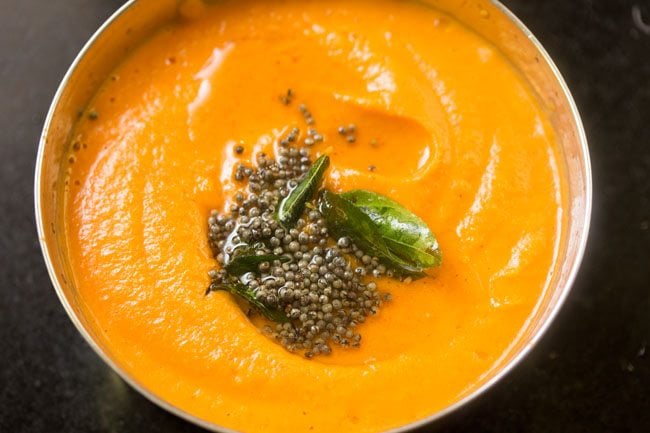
246, 293
244, 263
292, 206
405, 234
345, 219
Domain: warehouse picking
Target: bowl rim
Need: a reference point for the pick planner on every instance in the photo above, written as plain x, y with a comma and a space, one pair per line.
507, 368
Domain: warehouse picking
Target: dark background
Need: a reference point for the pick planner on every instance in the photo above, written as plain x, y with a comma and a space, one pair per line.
591, 371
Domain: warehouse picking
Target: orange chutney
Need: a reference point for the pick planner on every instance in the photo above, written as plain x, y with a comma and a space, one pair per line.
455, 135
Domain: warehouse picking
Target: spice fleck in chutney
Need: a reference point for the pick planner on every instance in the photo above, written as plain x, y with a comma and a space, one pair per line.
386, 111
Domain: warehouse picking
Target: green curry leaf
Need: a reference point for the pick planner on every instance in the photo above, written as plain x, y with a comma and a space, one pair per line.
246, 293
405, 234
293, 205
241, 264
345, 219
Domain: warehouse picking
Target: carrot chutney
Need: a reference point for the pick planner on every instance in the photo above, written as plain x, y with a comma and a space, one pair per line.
443, 124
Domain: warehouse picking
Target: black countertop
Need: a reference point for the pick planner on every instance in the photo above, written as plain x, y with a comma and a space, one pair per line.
591, 371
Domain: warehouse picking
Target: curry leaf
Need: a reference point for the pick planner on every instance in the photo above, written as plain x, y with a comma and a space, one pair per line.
405, 234
242, 264
243, 291
293, 204
345, 219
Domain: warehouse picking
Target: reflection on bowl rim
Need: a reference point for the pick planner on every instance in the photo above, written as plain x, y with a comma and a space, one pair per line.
580, 246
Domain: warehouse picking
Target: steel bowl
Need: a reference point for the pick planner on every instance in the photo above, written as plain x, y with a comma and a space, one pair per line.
138, 19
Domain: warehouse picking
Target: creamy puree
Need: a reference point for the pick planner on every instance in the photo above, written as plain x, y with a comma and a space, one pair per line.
460, 141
